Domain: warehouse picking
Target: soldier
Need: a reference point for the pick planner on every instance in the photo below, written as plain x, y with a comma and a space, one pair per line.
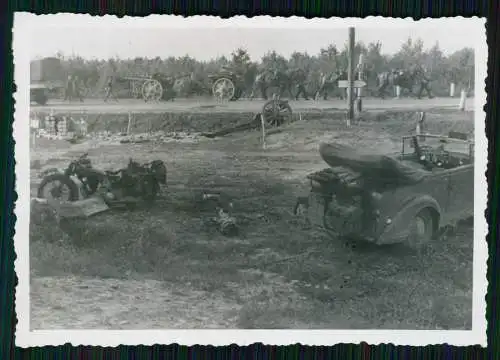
299, 77
77, 88
328, 82
423, 79
57, 120
109, 90
68, 93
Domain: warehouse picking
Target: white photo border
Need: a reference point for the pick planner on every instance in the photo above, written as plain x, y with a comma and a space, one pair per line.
23, 22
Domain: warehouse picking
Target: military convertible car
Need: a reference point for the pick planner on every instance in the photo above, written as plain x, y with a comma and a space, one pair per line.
388, 199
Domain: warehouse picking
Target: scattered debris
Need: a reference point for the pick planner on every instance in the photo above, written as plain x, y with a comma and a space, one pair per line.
44, 211
78, 209
253, 124
41, 212
227, 224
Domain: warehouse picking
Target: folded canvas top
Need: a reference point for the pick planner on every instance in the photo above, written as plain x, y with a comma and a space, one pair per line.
376, 167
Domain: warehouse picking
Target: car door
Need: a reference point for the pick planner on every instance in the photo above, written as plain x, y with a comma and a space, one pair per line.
461, 192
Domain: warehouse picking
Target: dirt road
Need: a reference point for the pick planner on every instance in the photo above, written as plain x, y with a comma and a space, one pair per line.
168, 267
209, 105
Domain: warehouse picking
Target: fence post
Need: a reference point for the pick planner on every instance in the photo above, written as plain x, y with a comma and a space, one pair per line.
263, 127
398, 91
84, 124
34, 127
452, 89
420, 123
129, 126
360, 73
463, 97
359, 99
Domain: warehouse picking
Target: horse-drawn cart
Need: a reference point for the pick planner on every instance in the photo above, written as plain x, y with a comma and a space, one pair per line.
226, 85
146, 87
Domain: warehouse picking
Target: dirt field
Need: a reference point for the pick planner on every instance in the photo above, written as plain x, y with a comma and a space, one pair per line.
209, 105
168, 267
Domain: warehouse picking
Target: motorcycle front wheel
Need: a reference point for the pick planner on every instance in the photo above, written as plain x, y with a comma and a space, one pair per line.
58, 187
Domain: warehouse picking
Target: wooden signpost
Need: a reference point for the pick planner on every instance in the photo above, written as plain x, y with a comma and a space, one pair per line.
351, 83
355, 84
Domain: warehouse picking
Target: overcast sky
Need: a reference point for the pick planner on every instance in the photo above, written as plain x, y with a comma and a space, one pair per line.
93, 37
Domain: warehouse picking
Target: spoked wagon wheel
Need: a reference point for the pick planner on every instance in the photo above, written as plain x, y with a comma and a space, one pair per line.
152, 90
277, 112
135, 89
223, 89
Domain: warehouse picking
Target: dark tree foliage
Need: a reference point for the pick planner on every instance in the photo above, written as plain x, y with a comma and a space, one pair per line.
457, 67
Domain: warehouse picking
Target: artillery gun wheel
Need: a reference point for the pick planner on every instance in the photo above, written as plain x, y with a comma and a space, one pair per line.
152, 90
277, 112
223, 89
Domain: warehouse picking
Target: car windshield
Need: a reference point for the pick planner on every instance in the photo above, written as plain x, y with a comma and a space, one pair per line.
442, 143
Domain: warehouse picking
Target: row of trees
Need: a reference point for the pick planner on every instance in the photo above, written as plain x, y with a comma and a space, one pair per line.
457, 67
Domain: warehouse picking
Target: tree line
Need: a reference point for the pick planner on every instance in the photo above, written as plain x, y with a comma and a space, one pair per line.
457, 67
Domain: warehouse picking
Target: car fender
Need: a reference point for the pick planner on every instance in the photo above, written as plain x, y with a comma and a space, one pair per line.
398, 228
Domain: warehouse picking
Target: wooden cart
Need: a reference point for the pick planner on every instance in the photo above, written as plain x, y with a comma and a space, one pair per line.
145, 87
226, 85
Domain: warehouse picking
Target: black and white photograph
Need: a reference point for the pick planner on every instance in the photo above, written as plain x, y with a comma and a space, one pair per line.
290, 180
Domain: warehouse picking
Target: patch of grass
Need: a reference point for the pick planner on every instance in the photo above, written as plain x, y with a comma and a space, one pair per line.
282, 276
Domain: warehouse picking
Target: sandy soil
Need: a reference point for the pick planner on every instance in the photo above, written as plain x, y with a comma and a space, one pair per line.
168, 267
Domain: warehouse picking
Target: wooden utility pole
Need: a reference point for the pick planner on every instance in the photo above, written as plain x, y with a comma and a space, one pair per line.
350, 77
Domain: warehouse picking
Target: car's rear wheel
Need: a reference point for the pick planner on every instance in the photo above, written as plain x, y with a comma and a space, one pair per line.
421, 229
